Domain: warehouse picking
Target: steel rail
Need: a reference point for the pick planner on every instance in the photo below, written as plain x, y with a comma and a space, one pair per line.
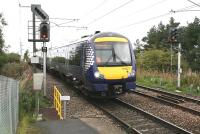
171, 125
169, 93
192, 111
161, 124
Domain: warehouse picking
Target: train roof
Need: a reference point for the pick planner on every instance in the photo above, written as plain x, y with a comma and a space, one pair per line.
107, 34
92, 37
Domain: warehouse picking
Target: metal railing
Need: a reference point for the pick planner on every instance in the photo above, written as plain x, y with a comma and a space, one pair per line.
57, 101
9, 105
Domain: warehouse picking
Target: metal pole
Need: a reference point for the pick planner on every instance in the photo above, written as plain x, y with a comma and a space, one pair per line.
34, 43
38, 103
37, 107
171, 59
64, 109
179, 66
34, 46
44, 69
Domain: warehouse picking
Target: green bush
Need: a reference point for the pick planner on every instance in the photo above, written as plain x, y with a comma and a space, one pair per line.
3, 60
9, 58
27, 102
27, 99
158, 60
13, 58
154, 60
13, 70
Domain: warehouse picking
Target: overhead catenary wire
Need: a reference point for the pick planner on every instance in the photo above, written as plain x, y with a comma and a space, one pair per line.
151, 18
94, 9
111, 11
143, 21
186, 9
23, 6
146, 8
58, 25
62, 19
194, 3
66, 22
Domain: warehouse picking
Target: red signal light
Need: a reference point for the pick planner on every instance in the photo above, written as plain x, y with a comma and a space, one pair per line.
44, 31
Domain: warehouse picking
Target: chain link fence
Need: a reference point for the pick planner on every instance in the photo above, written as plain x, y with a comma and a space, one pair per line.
9, 102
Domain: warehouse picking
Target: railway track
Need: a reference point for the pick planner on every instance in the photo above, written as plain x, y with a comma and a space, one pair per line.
182, 102
136, 120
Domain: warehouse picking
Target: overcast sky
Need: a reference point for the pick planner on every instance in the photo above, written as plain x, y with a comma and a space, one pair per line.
132, 18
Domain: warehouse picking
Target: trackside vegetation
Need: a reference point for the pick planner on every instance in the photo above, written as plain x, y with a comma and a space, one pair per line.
153, 55
12, 65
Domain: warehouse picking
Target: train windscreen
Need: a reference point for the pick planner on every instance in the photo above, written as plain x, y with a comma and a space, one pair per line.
112, 53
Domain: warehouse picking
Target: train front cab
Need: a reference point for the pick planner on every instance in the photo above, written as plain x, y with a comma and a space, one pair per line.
114, 69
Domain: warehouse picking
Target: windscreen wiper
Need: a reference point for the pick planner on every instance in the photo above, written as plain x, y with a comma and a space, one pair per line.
120, 60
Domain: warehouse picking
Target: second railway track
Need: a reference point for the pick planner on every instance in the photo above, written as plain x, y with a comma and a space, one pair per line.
137, 120
182, 102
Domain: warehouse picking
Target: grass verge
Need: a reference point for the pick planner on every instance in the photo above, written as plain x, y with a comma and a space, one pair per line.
190, 83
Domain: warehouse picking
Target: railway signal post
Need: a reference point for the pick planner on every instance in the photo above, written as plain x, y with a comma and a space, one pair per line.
173, 39
44, 35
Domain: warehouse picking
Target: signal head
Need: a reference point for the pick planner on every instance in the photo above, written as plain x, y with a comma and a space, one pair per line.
44, 31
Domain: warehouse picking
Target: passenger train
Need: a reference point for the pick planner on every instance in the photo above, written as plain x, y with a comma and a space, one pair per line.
101, 65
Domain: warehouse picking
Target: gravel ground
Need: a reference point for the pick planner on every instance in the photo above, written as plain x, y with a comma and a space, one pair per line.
183, 119
83, 110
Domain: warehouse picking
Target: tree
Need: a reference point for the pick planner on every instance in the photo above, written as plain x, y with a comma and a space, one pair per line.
2, 24
157, 37
191, 44
188, 36
138, 46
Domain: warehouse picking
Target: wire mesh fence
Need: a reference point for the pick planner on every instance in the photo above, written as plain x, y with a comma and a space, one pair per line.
9, 102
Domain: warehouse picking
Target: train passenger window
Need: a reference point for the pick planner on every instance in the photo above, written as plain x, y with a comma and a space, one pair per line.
75, 55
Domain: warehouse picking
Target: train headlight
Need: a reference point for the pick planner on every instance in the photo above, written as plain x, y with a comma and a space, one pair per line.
132, 73
98, 75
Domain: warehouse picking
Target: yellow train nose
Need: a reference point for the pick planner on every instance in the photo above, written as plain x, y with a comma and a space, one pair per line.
113, 73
